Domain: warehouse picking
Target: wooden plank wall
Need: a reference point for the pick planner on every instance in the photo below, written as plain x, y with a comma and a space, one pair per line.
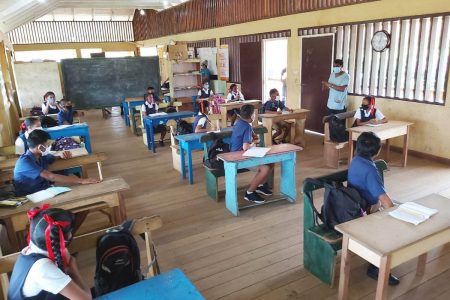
202, 44
234, 49
204, 14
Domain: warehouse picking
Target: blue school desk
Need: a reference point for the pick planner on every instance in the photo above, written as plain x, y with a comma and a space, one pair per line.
126, 105
150, 122
188, 143
81, 129
170, 285
285, 154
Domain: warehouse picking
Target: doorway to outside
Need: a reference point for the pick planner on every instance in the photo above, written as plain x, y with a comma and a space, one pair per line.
317, 55
275, 53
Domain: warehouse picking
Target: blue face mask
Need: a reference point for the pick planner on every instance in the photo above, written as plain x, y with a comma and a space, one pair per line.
337, 69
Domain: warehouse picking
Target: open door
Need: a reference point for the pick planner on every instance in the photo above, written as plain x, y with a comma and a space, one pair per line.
251, 70
317, 55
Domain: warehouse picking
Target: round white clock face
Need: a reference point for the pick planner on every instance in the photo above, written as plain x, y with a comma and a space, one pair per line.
380, 41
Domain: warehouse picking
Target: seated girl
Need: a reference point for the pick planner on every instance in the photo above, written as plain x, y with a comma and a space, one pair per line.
202, 122
368, 114
28, 125
233, 96
49, 106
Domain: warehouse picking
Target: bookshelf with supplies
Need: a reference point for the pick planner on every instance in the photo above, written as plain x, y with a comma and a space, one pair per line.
185, 80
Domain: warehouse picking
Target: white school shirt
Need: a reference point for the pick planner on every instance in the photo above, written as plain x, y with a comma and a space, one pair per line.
50, 106
230, 95
20, 146
43, 275
378, 114
335, 95
202, 121
211, 92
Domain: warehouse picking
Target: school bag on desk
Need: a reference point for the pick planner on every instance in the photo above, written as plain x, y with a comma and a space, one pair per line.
338, 132
118, 260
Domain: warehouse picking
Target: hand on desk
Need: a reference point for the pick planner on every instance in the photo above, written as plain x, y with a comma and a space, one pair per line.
89, 180
66, 154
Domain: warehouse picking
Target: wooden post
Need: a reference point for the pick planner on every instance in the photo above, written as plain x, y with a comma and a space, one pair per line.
383, 277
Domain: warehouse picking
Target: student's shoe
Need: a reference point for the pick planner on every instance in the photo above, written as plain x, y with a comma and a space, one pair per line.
373, 271
161, 143
253, 197
263, 190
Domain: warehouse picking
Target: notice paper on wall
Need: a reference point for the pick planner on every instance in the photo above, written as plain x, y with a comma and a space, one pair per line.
413, 213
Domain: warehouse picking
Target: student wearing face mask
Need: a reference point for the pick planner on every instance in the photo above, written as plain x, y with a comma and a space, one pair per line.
49, 106
368, 114
31, 172
337, 84
65, 115
205, 91
275, 106
28, 125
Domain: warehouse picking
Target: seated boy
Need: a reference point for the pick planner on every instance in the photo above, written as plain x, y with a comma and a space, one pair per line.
201, 122
363, 176
368, 114
242, 139
29, 124
65, 115
275, 106
149, 107
31, 172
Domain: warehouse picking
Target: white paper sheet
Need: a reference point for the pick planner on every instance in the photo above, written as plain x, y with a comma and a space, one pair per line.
47, 194
413, 213
256, 152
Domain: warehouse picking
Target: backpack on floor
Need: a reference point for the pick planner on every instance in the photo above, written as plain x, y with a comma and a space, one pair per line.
65, 143
118, 260
218, 147
338, 132
340, 204
183, 127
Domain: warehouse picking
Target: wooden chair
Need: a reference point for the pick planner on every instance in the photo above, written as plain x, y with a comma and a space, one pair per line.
333, 152
320, 245
141, 229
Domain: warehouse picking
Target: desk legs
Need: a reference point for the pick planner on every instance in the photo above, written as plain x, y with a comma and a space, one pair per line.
223, 112
189, 164
182, 162
125, 113
287, 178
12, 235
150, 135
383, 277
267, 122
345, 269
405, 147
119, 212
231, 201
421, 264
350, 147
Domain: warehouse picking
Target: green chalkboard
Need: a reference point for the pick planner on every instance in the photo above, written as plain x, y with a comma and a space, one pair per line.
102, 82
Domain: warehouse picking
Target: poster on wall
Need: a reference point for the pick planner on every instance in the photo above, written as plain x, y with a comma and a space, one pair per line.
223, 63
210, 55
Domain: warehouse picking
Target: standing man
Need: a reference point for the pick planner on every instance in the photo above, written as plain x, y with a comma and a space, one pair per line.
337, 84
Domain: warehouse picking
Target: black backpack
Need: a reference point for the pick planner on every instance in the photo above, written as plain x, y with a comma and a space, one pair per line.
118, 260
340, 204
338, 132
183, 127
218, 147
171, 109
47, 122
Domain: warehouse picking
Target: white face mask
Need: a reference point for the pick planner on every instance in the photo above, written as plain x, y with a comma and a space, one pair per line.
278, 98
47, 150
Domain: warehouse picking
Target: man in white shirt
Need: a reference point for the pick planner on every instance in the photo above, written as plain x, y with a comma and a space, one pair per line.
337, 84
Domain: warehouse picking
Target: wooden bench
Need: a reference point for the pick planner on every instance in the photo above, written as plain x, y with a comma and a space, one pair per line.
320, 245
333, 152
142, 228
212, 176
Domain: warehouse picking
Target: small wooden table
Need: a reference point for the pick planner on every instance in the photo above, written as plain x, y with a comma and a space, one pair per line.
285, 154
387, 242
127, 104
169, 285
81, 198
225, 107
384, 131
299, 115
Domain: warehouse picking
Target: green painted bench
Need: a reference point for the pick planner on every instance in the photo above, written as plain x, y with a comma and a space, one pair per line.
212, 176
320, 245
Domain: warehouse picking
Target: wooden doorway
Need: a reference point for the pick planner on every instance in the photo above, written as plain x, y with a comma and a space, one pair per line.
251, 70
317, 55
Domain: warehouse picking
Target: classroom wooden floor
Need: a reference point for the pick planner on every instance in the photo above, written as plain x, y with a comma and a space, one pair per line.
257, 255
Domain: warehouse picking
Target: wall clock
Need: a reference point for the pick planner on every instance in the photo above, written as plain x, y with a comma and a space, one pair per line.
381, 40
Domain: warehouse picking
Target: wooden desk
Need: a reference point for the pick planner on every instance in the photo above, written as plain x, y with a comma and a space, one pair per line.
233, 161
385, 131
81, 129
7, 166
299, 115
387, 242
169, 285
127, 104
81, 198
53, 116
225, 107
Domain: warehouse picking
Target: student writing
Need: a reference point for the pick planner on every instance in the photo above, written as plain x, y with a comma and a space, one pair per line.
275, 106
201, 122
368, 114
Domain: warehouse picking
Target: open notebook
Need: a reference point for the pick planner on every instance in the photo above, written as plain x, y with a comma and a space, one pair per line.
413, 213
256, 152
47, 194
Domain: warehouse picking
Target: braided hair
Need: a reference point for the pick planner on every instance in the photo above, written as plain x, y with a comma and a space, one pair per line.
49, 230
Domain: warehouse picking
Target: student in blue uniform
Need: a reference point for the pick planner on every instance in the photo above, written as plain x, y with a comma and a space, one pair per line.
151, 106
368, 114
364, 177
275, 106
242, 139
49, 106
29, 124
45, 269
202, 122
65, 115
31, 172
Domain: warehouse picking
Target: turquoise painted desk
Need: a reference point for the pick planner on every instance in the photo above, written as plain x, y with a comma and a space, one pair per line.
171, 285
127, 104
150, 122
285, 154
188, 143
81, 129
